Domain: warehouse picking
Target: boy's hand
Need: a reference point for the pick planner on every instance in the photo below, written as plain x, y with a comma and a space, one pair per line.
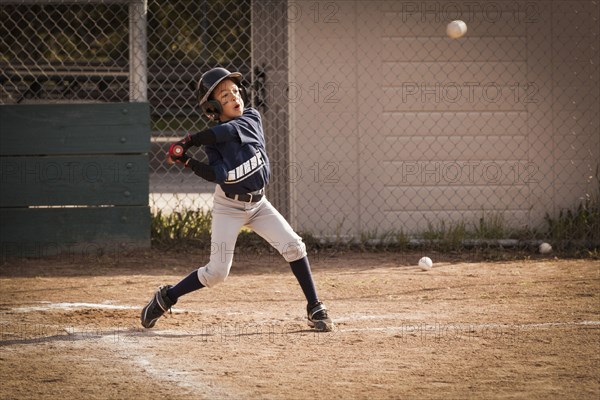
186, 142
176, 154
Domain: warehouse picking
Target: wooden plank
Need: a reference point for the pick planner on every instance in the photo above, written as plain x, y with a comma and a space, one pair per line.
28, 129
38, 232
74, 180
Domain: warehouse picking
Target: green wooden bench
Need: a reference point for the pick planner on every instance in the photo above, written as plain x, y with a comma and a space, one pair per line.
74, 178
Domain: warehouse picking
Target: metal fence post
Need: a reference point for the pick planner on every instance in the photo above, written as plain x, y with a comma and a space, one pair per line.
138, 73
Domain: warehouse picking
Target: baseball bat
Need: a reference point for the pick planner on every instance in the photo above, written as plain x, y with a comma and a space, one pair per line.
178, 150
175, 150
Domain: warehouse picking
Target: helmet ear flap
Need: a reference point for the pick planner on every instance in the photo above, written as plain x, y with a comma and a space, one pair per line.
212, 109
244, 94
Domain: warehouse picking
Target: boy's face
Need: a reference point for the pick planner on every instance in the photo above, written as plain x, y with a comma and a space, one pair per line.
228, 94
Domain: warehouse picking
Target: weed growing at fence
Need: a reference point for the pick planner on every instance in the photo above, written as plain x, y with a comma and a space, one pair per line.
445, 237
577, 228
181, 226
491, 226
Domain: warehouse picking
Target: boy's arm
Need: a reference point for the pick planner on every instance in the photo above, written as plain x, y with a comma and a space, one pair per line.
215, 161
201, 169
218, 134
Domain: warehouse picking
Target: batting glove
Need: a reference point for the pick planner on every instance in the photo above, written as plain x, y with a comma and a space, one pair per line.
186, 142
176, 154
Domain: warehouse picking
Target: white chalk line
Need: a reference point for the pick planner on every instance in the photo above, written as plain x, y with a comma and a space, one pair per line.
440, 327
130, 343
413, 320
167, 370
48, 306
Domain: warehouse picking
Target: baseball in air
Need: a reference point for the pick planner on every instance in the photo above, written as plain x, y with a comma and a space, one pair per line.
545, 248
425, 263
456, 29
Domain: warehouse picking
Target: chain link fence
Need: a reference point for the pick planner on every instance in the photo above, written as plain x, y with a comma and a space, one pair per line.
127, 50
185, 39
72, 51
377, 123
398, 129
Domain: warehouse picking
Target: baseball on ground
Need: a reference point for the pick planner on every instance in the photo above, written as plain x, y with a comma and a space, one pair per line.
545, 248
425, 263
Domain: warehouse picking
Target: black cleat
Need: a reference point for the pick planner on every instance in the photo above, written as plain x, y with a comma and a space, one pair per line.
318, 318
156, 307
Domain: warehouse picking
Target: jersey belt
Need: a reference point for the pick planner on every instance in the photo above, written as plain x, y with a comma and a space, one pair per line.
247, 197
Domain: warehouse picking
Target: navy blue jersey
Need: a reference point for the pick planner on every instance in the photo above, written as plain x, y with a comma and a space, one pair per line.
241, 166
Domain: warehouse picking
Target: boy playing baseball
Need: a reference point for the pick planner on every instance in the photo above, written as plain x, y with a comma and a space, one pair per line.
238, 163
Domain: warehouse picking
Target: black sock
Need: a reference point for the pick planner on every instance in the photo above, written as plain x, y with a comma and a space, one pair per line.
185, 286
301, 269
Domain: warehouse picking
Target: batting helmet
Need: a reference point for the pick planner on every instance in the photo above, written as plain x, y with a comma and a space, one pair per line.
208, 82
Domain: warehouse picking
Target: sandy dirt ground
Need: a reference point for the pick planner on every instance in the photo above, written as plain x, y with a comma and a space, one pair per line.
530, 328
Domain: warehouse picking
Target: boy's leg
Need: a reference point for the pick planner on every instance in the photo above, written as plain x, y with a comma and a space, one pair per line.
226, 224
224, 235
268, 223
302, 272
187, 285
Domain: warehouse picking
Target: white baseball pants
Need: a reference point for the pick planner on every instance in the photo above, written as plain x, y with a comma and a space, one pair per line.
228, 217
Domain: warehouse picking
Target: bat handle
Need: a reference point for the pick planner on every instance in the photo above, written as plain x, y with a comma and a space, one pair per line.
178, 151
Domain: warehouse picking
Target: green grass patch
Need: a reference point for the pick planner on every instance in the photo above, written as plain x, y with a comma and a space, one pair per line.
181, 226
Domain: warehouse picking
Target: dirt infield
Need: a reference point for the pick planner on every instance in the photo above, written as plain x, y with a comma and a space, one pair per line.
519, 329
